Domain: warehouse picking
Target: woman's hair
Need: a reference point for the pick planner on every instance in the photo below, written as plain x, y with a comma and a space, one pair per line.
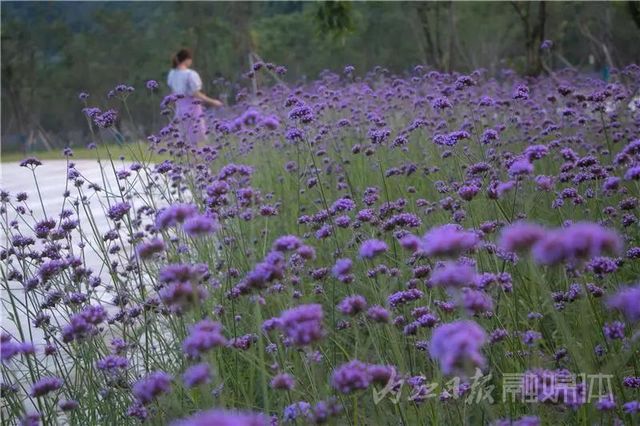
180, 57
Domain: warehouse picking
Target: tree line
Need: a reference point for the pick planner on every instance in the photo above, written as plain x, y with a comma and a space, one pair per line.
51, 51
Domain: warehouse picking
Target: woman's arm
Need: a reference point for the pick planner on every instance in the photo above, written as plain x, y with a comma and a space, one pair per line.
207, 100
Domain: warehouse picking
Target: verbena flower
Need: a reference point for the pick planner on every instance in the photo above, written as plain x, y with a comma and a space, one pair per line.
45, 386
627, 301
457, 346
448, 240
283, 381
118, 211
581, 241
303, 324
372, 248
220, 417
203, 336
174, 214
520, 236
148, 248
453, 274
199, 225
150, 387
352, 305
10, 348
356, 375
196, 375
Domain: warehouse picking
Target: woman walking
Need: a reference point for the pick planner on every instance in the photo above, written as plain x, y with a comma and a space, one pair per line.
186, 82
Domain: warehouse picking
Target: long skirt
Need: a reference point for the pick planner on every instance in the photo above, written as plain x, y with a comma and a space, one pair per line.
190, 115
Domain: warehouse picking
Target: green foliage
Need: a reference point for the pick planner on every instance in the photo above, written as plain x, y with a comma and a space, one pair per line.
334, 18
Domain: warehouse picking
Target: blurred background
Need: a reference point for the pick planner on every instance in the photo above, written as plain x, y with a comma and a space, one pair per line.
51, 51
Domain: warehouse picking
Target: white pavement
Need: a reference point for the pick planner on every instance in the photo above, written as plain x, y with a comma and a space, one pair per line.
52, 181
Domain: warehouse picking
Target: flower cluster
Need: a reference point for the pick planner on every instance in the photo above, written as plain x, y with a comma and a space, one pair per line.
374, 230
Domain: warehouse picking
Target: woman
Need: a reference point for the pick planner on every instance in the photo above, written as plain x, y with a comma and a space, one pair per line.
186, 82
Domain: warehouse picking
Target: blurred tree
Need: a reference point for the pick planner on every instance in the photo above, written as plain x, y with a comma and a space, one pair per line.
533, 25
335, 19
634, 11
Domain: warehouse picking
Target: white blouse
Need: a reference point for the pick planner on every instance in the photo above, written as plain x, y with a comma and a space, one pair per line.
184, 82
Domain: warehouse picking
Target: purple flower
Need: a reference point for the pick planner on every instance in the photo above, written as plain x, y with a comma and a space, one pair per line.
181, 272
458, 345
467, 192
342, 267
294, 134
179, 296
351, 377
448, 240
611, 183
151, 386
220, 417
378, 314
602, 265
196, 375
68, 405
404, 296
453, 274
520, 167
303, 324
631, 407
270, 122
174, 214
152, 85
476, 301
30, 162
520, 236
46, 385
78, 328
605, 403
546, 45
342, 204
283, 381
489, 135
631, 382
113, 363
32, 419
351, 305
138, 411
203, 336
440, 103
298, 410
521, 92
529, 337
522, 421
10, 348
118, 211
372, 248
148, 248
633, 173
627, 301
105, 119
614, 330
198, 225
581, 241
271, 268
357, 375
286, 243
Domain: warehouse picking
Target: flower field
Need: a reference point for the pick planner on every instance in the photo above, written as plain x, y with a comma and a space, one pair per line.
424, 248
